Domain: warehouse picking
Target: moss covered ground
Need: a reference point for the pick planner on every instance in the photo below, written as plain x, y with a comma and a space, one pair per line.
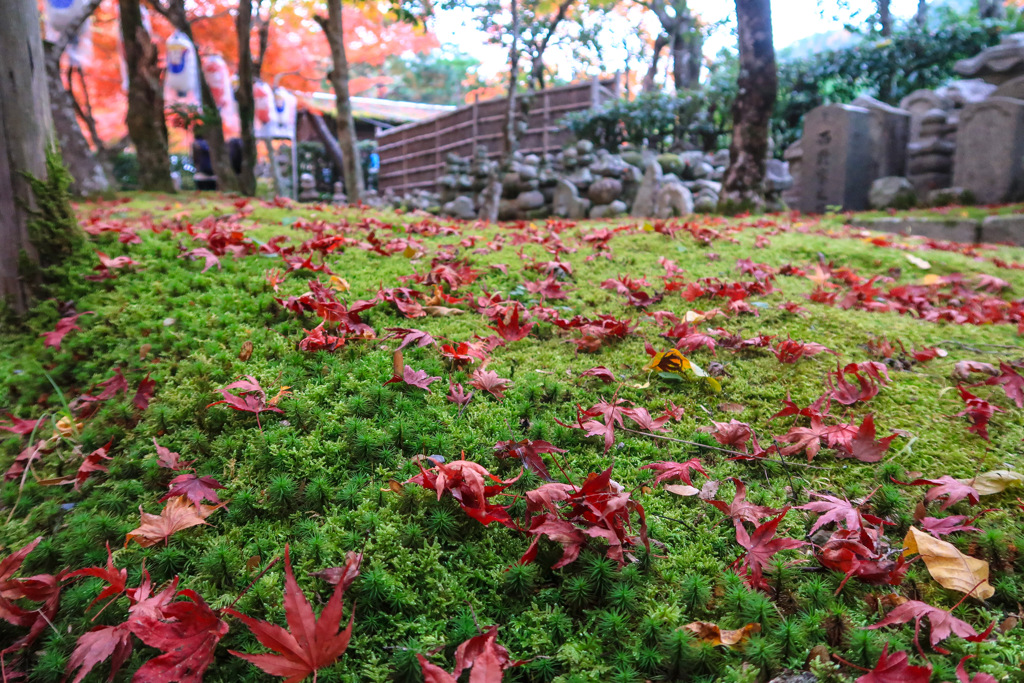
319, 475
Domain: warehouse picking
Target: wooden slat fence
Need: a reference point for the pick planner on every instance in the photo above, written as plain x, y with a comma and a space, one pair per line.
412, 156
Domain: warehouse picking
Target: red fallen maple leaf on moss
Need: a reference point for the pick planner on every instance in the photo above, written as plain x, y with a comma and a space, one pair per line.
64, 325
251, 398
790, 351
896, 669
187, 632
195, 488
488, 380
835, 510
946, 487
943, 624
863, 446
144, 394
761, 547
529, 453
964, 677
466, 482
600, 372
317, 339
979, 410
410, 336
508, 328
165, 457
740, 509
414, 378
481, 654
16, 425
41, 588
1012, 383
670, 471
310, 643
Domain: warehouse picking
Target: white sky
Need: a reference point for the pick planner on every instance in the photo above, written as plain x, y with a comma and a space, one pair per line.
791, 19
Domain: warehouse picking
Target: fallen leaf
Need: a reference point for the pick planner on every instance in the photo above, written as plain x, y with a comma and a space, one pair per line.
948, 566
178, 514
246, 351
993, 482
712, 634
442, 311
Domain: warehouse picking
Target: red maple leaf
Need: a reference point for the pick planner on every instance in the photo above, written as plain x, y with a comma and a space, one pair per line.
843, 391
317, 339
863, 445
481, 654
508, 328
92, 463
946, 487
169, 459
410, 336
251, 397
964, 677
740, 509
488, 380
16, 425
310, 643
806, 439
529, 453
116, 578
943, 624
979, 410
64, 325
600, 372
144, 394
342, 576
943, 526
896, 669
670, 471
644, 420
210, 259
862, 554
1012, 382
195, 488
466, 482
790, 351
835, 510
761, 547
111, 387
460, 354
414, 378
733, 434
41, 588
458, 395
689, 339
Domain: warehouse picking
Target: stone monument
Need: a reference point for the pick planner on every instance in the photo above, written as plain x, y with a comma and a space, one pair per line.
835, 170
989, 158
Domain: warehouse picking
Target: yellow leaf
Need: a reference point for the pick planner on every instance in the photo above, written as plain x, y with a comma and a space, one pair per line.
714, 635
693, 317
948, 566
995, 481
669, 361
339, 283
931, 279
442, 311
648, 227
409, 252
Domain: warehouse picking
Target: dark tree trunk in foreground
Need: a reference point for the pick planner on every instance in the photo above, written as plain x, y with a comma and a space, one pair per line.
351, 169
246, 102
146, 125
84, 166
752, 111
25, 135
511, 141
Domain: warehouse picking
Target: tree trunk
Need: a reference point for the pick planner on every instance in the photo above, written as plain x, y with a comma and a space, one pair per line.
89, 177
329, 141
213, 126
511, 136
991, 9
246, 100
921, 18
146, 124
25, 134
885, 17
351, 169
752, 110
686, 47
659, 44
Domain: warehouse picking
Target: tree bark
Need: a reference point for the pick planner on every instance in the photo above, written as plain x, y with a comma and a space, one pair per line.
991, 9
885, 17
330, 142
351, 169
146, 125
246, 99
686, 46
213, 125
511, 135
752, 110
921, 18
25, 135
87, 172
660, 43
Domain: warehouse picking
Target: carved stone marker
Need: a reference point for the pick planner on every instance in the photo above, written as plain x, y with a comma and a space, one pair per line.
835, 170
990, 150
890, 133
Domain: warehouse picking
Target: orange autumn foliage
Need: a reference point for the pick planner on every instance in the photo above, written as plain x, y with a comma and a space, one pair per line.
297, 56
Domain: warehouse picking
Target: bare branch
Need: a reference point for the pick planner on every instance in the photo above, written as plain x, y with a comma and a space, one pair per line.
56, 49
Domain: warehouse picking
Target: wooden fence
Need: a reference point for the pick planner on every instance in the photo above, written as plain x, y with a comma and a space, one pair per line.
412, 156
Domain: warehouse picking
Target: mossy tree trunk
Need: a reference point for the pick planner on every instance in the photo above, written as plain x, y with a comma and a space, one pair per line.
146, 125
758, 86
351, 169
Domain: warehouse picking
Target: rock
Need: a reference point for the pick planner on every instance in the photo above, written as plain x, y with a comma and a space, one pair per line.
892, 192
528, 172
531, 199
795, 677
930, 163
584, 147
633, 158
1003, 229
777, 177
605, 191
670, 163
616, 208
709, 185
566, 202
608, 165
631, 179
720, 159
925, 183
673, 199
511, 185
693, 166
948, 196
507, 210
460, 207
339, 195
490, 199
582, 178
643, 204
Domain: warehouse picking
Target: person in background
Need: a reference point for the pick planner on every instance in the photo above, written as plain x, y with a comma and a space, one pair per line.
372, 170
204, 176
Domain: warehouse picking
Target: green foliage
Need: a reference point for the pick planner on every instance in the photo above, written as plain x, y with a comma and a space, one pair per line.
658, 121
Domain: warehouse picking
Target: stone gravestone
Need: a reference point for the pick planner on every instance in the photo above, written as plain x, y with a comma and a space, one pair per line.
990, 150
890, 134
835, 170
919, 103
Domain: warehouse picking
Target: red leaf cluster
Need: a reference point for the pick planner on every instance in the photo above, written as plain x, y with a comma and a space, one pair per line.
466, 482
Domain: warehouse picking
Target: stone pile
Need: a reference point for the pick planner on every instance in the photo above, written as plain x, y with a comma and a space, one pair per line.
930, 165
